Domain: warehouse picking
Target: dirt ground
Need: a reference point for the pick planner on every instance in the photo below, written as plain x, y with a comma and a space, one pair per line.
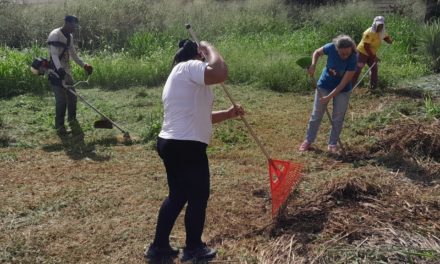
95, 201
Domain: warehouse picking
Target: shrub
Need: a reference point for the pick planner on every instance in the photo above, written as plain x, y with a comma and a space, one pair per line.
154, 125
429, 43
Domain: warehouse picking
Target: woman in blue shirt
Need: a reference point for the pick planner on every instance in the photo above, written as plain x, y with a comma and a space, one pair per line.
334, 83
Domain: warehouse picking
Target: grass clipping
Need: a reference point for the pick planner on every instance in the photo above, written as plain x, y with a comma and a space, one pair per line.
370, 217
375, 216
412, 146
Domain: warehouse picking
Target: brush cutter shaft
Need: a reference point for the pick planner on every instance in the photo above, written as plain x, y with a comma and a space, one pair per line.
193, 35
94, 108
68, 88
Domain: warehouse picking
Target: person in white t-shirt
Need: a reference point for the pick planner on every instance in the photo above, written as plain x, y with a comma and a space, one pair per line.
182, 143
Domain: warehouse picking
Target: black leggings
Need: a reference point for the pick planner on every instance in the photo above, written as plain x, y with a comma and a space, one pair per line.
187, 169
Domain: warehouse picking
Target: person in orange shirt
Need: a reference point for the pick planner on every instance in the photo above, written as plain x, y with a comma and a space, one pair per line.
368, 47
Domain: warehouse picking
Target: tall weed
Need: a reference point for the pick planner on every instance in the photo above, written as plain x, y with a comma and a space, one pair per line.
429, 43
15, 75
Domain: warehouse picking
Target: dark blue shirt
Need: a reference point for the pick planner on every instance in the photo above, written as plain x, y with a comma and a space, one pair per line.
335, 69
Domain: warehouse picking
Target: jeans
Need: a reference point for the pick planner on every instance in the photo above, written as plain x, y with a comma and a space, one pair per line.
188, 176
340, 104
64, 100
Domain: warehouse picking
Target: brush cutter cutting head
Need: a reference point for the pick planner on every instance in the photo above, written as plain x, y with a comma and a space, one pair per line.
304, 62
103, 123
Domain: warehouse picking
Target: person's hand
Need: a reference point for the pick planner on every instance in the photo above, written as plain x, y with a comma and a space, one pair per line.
88, 68
61, 73
388, 39
324, 100
235, 111
203, 48
311, 70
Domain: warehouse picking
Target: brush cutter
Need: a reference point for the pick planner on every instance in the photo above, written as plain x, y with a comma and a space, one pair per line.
283, 175
41, 66
305, 63
104, 122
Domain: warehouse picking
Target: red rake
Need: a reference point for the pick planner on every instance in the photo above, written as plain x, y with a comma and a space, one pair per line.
283, 175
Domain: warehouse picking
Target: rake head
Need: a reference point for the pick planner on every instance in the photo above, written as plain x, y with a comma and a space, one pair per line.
284, 175
103, 123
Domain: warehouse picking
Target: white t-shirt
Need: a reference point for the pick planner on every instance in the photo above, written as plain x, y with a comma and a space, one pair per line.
55, 40
187, 103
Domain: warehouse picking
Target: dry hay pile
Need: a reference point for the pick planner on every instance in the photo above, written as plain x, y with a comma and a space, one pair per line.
411, 145
412, 139
364, 218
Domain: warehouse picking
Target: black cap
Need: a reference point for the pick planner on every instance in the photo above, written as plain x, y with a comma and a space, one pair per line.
71, 19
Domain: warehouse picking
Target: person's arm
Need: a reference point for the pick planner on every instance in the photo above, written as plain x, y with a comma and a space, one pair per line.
232, 112
216, 71
388, 39
74, 55
316, 54
72, 51
348, 76
54, 53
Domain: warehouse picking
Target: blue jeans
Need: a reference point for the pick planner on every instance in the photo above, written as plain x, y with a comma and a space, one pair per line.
64, 100
340, 104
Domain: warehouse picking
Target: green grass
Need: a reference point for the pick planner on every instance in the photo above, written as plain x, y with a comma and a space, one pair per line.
260, 40
430, 44
432, 108
100, 205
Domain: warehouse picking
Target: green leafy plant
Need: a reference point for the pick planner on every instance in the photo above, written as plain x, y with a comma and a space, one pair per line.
154, 125
432, 109
429, 43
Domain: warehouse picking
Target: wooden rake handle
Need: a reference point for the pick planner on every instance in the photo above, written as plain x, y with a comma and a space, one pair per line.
228, 94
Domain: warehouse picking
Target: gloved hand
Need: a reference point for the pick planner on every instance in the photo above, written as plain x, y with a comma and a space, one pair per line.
61, 73
88, 68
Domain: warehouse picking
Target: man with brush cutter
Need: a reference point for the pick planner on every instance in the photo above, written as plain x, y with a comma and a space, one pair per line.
61, 49
182, 143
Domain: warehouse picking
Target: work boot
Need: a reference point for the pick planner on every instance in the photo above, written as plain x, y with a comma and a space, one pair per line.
155, 252
202, 252
62, 132
75, 127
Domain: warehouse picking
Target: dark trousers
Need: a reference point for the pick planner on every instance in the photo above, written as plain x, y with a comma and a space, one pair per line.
64, 100
362, 60
187, 168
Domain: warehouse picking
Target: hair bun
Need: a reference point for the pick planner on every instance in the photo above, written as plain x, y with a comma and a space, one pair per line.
182, 43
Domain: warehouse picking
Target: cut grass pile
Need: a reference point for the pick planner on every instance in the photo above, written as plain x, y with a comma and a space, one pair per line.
90, 199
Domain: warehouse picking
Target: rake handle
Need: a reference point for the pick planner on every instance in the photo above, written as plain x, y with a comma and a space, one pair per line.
369, 69
228, 94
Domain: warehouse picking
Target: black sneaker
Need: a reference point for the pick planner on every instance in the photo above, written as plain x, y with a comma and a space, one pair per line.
203, 252
62, 132
154, 252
